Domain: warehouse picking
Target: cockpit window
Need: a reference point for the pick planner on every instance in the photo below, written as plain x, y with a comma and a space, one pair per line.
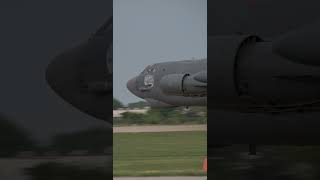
149, 70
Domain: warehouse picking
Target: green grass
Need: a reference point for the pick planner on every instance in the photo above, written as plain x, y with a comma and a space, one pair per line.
159, 154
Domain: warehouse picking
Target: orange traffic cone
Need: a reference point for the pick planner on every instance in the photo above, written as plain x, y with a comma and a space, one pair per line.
205, 165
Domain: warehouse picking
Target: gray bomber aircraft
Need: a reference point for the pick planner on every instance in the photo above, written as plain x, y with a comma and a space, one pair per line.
262, 87
263, 84
180, 83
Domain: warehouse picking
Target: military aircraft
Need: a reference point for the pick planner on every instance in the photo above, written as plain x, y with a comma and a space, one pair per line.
264, 72
263, 84
262, 87
168, 84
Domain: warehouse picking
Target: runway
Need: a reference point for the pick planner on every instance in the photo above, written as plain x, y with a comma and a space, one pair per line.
161, 178
14, 168
159, 128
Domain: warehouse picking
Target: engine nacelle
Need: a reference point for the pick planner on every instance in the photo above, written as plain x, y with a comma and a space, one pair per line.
246, 72
183, 85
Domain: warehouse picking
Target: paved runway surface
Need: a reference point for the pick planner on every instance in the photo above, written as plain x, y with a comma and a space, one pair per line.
13, 168
159, 128
160, 178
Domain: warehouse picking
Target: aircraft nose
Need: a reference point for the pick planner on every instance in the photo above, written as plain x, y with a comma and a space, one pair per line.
59, 73
131, 85
75, 75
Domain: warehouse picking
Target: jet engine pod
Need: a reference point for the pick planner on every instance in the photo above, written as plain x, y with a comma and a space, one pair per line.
201, 76
182, 85
300, 46
173, 84
81, 76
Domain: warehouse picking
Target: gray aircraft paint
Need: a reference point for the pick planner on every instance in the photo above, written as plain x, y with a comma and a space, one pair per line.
169, 76
153, 31
263, 81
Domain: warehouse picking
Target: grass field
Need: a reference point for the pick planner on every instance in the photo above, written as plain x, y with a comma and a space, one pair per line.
159, 154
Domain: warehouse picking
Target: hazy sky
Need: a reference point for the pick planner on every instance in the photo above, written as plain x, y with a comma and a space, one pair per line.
151, 31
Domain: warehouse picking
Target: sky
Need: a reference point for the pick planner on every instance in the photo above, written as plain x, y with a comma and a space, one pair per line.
151, 31
32, 33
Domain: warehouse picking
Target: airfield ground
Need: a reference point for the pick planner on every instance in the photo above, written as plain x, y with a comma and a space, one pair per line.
159, 153
159, 128
161, 178
182, 153
14, 168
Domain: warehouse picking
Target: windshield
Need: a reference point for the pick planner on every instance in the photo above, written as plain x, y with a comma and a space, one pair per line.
149, 70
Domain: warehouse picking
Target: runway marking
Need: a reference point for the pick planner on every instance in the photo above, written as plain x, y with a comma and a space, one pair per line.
161, 178
159, 128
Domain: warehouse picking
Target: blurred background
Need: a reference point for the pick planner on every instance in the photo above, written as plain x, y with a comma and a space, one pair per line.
36, 126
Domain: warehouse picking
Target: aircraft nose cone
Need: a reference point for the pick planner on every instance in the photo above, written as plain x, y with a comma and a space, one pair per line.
59, 73
131, 86
76, 73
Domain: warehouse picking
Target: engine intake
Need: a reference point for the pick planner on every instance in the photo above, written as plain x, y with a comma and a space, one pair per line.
183, 85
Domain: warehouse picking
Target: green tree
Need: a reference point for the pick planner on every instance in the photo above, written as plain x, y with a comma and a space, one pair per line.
13, 138
140, 104
117, 104
179, 115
